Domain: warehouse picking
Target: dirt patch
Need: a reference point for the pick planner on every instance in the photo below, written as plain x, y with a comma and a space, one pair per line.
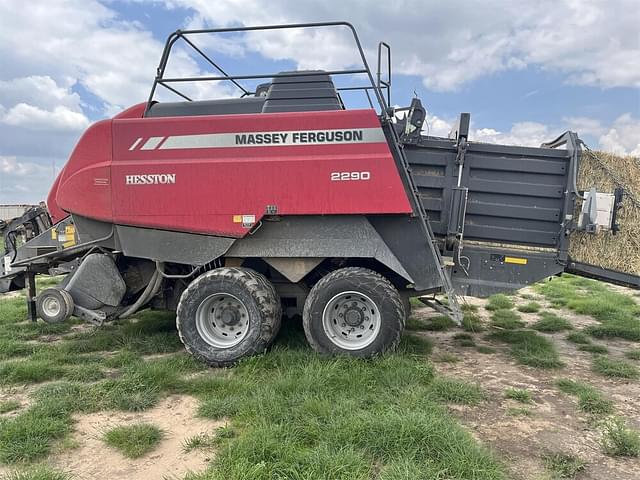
175, 416
20, 394
554, 423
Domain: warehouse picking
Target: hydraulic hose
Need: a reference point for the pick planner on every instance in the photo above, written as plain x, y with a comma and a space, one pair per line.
149, 292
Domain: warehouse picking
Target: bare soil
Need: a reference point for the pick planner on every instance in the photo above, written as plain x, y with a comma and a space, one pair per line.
175, 415
555, 424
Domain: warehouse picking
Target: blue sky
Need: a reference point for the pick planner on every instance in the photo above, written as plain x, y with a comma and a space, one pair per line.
526, 71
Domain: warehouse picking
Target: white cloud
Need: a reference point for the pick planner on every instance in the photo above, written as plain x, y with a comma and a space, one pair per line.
531, 134
54, 49
34, 118
623, 137
39, 90
449, 44
11, 166
38, 102
23, 181
82, 40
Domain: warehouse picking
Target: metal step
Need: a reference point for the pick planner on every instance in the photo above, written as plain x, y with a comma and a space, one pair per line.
453, 309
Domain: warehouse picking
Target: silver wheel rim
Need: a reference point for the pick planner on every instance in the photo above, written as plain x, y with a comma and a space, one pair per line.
351, 320
51, 306
222, 320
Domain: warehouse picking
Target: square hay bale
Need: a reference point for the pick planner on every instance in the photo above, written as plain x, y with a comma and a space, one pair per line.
622, 250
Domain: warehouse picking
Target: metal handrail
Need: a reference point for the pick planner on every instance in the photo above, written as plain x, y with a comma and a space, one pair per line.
182, 34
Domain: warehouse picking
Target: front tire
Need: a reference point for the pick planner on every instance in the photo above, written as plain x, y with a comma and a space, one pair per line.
227, 314
54, 305
353, 311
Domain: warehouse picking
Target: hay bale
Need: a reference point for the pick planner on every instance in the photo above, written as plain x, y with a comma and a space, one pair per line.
620, 251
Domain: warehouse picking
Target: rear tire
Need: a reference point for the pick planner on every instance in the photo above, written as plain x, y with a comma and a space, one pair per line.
54, 305
353, 311
227, 314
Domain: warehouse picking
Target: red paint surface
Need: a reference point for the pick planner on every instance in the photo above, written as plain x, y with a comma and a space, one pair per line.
77, 189
214, 184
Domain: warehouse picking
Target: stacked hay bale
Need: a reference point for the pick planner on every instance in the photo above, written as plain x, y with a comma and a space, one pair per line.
622, 250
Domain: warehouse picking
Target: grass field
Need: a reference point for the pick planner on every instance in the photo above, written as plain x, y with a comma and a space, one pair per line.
293, 414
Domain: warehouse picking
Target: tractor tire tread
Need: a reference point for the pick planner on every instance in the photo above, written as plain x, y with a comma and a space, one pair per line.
362, 276
267, 301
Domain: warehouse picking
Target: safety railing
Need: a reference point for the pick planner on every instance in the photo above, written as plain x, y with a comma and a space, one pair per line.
376, 85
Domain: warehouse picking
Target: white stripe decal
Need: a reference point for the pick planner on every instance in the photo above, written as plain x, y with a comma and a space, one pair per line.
135, 144
152, 143
274, 139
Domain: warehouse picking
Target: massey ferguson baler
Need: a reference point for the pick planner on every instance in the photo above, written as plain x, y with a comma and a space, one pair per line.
233, 212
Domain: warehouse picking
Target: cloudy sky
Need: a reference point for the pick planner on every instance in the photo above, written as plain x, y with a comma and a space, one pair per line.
525, 70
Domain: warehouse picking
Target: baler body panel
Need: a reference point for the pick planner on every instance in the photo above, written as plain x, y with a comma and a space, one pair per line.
516, 195
208, 183
83, 187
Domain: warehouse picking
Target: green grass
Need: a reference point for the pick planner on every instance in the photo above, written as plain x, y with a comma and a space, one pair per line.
633, 354
134, 441
521, 395
579, 338
506, 319
469, 307
281, 407
619, 440
416, 303
617, 313
593, 348
7, 406
563, 465
415, 324
471, 322
28, 437
36, 473
529, 348
199, 441
519, 412
499, 301
590, 400
451, 390
390, 416
531, 307
485, 349
439, 323
415, 345
464, 340
446, 357
615, 368
550, 322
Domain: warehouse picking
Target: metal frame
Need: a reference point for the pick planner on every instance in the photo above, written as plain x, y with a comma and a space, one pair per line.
574, 150
376, 87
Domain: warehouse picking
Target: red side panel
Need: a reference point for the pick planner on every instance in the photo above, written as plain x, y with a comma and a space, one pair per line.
84, 185
55, 211
222, 174
184, 173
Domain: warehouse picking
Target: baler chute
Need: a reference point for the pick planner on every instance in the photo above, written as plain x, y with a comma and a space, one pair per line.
233, 212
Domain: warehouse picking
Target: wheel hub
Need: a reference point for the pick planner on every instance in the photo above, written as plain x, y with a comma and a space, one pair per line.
51, 306
222, 320
351, 320
230, 316
353, 316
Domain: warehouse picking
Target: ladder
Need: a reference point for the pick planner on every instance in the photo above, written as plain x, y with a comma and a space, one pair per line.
453, 309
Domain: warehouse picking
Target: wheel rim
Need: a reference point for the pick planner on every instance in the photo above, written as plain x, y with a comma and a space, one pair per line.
51, 306
222, 320
351, 320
